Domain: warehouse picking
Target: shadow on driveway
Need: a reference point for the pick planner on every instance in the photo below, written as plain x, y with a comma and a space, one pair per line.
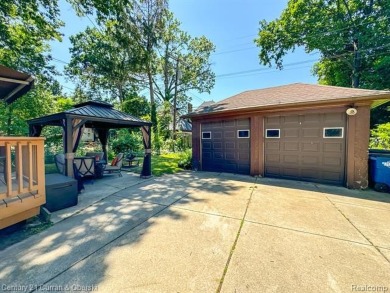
70, 244
367, 194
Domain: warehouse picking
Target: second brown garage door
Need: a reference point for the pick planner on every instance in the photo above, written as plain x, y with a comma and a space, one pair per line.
226, 146
306, 147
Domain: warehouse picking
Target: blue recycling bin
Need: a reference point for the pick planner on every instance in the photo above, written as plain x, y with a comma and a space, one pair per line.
379, 165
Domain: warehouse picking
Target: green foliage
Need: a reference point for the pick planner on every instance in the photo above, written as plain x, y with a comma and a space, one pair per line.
127, 141
102, 64
168, 145
380, 137
333, 28
189, 57
26, 26
64, 104
165, 120
186, 160
181, 143
380, 115
37, 102
53, 134
183, 65
136, 27
139, 44
136, 106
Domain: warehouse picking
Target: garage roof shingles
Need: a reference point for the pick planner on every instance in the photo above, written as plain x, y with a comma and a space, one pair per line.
297, 93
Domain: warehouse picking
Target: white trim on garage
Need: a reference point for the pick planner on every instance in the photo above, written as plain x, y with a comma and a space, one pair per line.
206, 132
333, 128
243, 130
269, 129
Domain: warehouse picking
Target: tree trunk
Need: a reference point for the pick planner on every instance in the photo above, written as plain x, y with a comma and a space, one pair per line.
175, 100
166, 77
121, 96
151, 89
153, 110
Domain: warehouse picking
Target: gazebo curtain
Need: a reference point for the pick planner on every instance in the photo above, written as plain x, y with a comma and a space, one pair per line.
103, 138
35, 130
77, 132
78, 129
147, 164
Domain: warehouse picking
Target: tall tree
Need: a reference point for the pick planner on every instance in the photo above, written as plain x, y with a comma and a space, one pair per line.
352, 37
136, 20
104, 64
180, 54
184, 65
146, 18
164, 49
26, 26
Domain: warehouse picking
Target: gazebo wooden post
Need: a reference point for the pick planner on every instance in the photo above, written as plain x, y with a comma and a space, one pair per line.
68, 147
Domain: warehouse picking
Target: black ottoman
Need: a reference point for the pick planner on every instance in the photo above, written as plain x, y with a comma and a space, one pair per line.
61, 192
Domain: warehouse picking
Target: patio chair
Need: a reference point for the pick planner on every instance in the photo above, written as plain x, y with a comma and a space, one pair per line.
100, 163
116, 165
85, 166
59, 160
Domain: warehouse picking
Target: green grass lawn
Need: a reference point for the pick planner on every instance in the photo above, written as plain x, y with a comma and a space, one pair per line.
162, 164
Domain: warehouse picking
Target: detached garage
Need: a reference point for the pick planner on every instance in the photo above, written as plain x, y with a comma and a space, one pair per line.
299, 131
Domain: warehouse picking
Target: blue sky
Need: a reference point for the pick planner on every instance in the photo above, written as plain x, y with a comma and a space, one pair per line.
231, 25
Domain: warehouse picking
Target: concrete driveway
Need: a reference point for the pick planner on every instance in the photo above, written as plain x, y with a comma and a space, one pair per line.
208, 232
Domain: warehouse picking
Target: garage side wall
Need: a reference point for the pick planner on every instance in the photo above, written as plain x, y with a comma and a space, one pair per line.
357, 148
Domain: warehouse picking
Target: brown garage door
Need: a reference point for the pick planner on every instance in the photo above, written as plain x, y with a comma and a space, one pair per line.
226, 146
307, 147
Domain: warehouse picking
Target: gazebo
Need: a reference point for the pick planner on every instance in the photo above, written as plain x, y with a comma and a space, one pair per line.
93, 114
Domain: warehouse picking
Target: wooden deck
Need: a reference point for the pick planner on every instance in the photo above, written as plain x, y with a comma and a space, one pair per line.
22, 178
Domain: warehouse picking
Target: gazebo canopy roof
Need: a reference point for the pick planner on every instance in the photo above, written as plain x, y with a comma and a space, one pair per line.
13, 84
96, 114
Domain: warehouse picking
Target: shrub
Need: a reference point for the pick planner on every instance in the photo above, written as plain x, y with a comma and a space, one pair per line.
380, 137
180, 144
126, 142
186, 160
